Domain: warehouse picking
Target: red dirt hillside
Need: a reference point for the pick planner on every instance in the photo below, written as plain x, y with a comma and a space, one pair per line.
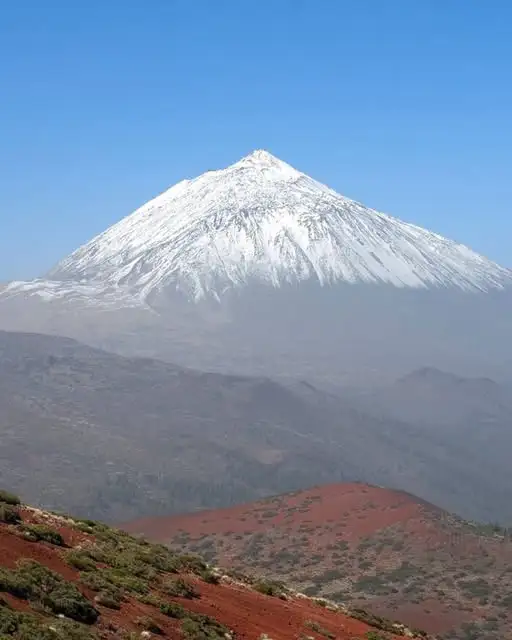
364, 546
80, 580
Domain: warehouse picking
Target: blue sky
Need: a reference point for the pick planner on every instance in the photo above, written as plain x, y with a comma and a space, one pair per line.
404, 105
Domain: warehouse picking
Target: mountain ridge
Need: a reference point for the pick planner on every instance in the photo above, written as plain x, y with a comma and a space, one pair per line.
112, 437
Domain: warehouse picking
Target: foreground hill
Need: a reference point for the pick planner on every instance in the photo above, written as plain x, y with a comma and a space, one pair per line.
364, 545
69, 579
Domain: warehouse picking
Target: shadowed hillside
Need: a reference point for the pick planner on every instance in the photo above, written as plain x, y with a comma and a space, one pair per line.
104, 436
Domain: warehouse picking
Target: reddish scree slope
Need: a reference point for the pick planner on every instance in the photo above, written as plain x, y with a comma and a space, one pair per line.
385, 550
245, 612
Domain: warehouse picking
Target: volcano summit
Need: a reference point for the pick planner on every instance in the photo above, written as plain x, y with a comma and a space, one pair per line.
262, 220
256, 261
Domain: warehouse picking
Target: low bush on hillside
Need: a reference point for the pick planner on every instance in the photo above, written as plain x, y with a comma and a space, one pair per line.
179, 588
147, 623
27, 626
110, 599
43, 533
190, 562
9, 498
125, 581
173, 610
373, 620
270, 588
209, 576
317, 628
9, 514
202, 627
47, 590
80, 560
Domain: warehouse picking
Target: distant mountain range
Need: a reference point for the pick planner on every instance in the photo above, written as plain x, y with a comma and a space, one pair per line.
106, 436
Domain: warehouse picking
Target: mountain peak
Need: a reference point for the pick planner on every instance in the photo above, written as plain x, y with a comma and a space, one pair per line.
264, 161
262, 220
261, 157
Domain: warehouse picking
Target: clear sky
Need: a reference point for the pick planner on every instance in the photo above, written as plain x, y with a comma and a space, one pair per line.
405, 105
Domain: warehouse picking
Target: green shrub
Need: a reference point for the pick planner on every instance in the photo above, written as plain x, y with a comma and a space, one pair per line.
11, 582
109, 599
173, 610
179, 588
32, 581
202, 627
43, 533
209, 576
373, 620
9, 498
95, 580
317, 628
148, 624
190, 562
270, 588
27, 626
124, 581
80, 561
8, 620
149, 598
9, 514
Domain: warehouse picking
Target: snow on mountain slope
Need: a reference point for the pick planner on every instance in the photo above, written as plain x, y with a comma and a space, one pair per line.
260, 219
80, 294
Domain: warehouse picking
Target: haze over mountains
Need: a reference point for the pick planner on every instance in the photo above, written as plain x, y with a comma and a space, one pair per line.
260, 269
117, 438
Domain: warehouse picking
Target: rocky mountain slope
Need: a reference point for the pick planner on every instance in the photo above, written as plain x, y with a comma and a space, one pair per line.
260, 219
68, 579
366, 546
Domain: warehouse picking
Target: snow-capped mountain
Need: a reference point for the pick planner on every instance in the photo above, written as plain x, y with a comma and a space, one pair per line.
262, 220
260, 269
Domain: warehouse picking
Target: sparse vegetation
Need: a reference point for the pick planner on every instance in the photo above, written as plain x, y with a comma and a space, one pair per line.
9, 498
120, 568
270, 588
146, 623
373, 620
9, 514
80, 560
26, 626
47, 589
109, 599
209, 576
43, 533
317, 628
179, 588
173, 610
201, 627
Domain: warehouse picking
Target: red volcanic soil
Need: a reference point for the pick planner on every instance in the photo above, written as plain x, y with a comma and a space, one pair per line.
366, 508
247, 613
387, 551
